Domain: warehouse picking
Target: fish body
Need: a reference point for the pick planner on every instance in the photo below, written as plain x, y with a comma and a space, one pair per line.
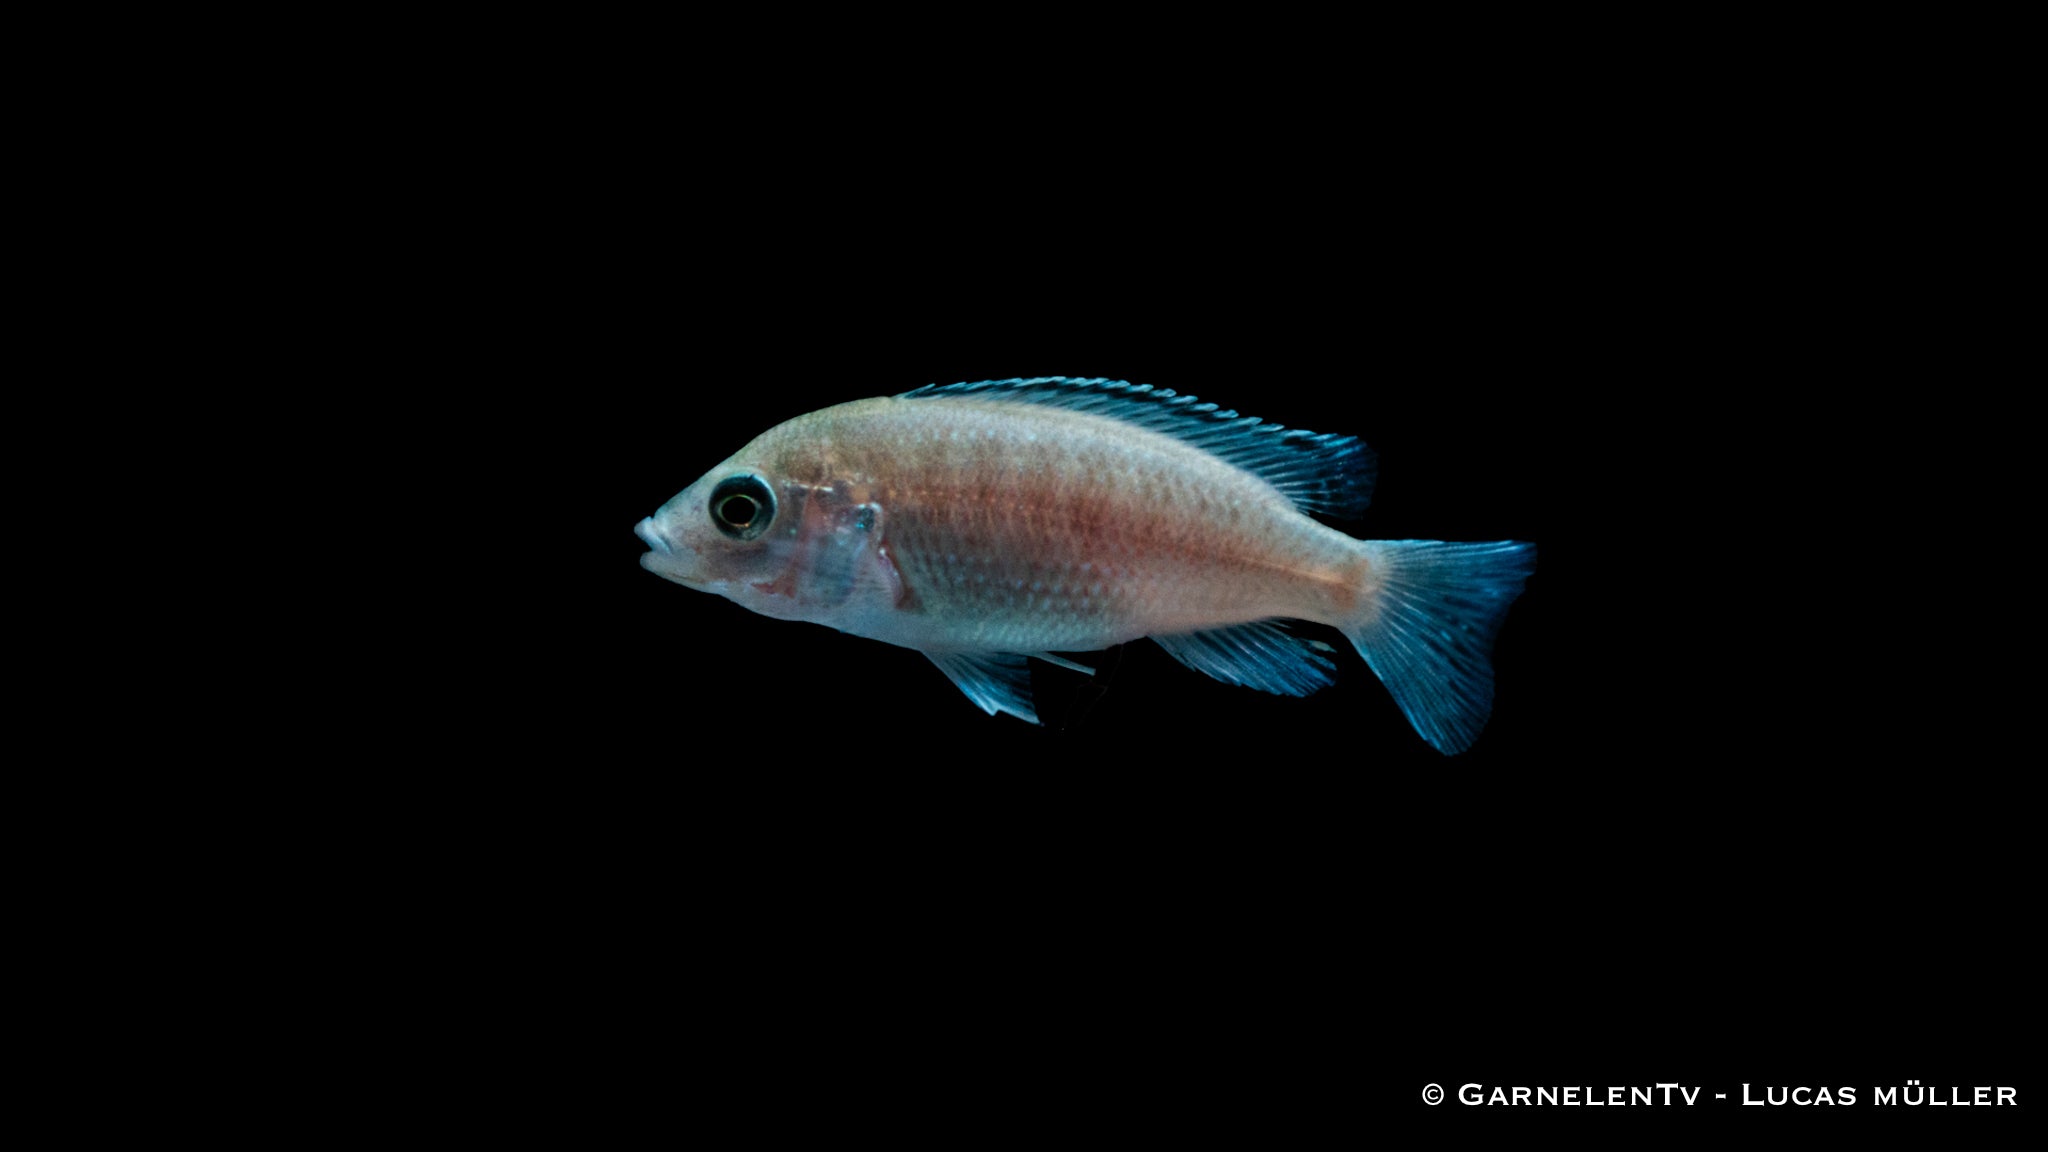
989, 522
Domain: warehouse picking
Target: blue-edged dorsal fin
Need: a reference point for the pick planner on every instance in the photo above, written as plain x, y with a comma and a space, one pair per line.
1327, 474
1260, 655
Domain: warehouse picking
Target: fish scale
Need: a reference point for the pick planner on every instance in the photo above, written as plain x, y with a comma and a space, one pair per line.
985, 523
1028, 497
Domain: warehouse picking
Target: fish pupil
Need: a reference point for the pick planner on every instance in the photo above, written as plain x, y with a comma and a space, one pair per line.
738, 511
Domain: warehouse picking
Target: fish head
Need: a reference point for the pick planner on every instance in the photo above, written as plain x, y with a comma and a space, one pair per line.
720, 534
773, 530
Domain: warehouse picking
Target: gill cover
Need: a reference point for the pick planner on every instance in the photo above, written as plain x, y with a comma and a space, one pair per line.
785, 548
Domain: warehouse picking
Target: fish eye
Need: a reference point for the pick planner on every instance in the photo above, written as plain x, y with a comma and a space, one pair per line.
742, 506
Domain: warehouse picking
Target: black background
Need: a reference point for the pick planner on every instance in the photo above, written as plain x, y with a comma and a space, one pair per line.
1707, 837
1676, 853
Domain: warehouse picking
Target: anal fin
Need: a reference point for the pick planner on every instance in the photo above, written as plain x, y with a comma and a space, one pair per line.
1260, 655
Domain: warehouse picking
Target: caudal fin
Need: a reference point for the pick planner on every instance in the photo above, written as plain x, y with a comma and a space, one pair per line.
1428, 632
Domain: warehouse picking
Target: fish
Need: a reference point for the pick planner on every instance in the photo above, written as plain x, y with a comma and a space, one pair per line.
986, 524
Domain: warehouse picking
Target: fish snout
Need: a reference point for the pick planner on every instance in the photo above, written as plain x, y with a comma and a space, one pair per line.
663, 558
652, 537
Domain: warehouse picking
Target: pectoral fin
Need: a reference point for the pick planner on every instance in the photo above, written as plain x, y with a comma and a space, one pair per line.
846, 552
841, 554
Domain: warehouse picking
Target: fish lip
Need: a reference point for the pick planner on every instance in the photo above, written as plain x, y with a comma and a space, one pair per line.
646, 532
662, 559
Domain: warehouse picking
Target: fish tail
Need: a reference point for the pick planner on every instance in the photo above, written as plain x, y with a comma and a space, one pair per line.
1426, 628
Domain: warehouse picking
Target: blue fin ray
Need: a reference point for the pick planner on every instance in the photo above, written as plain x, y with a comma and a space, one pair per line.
1327, 474
1260, 655
1428, 633
995, 681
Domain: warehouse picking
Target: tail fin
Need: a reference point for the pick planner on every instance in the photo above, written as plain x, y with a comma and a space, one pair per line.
1428, 632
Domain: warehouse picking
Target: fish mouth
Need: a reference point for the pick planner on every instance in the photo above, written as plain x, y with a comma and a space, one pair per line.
662, 560
648, 535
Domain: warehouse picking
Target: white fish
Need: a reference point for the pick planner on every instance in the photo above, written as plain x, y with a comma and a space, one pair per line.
985, 523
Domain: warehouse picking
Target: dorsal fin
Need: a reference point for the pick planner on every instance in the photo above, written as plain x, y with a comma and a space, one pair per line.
1327, 474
